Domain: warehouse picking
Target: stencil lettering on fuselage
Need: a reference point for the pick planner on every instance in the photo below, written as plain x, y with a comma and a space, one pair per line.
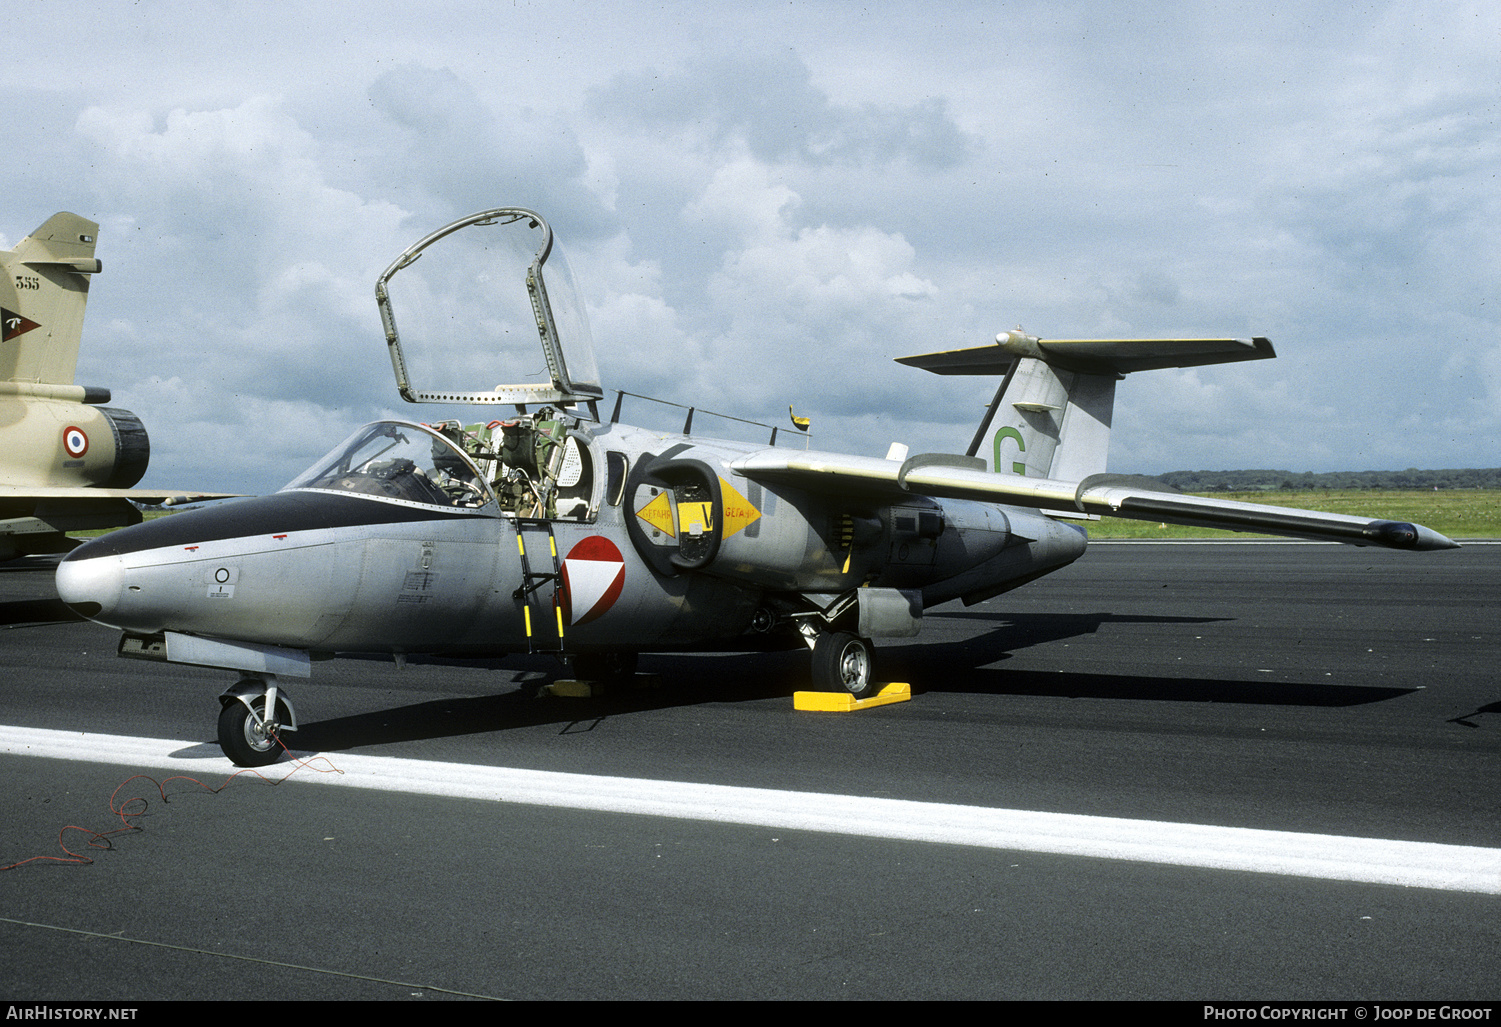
221, 582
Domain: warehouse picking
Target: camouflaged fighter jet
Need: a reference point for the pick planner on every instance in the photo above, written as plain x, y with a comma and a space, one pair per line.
67, 463
556, 530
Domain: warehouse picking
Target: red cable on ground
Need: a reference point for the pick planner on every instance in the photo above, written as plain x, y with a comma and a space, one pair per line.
100, 839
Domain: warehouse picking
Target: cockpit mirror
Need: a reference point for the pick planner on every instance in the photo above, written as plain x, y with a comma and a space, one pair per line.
474, 308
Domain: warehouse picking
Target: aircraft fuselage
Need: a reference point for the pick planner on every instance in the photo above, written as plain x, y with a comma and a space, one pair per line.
648, 558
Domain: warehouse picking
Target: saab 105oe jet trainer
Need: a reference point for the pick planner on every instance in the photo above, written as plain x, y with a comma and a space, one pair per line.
556, 530
67, 463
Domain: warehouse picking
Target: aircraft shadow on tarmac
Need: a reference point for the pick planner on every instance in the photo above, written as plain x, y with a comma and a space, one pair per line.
23, 612
697, 679
966, 667
1468, 719
32, 575
689, 679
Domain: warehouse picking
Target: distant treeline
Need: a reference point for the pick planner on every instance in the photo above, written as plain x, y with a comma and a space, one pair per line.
1286, 481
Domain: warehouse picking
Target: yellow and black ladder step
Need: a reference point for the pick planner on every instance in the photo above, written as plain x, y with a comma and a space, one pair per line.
532, 580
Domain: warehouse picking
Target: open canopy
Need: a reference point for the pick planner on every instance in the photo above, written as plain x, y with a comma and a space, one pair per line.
475, 308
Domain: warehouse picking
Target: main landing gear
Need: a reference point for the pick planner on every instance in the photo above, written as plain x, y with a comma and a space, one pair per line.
844, 662
838, 631
253, 717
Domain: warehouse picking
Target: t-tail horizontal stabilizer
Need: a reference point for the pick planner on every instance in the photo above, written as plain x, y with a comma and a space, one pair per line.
1090, 356
1056, 399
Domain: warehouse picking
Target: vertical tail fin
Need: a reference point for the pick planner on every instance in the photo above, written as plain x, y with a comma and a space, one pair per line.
42, 299
1055, 402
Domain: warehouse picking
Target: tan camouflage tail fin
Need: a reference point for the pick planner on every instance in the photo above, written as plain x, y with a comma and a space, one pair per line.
1056, 399
42, 299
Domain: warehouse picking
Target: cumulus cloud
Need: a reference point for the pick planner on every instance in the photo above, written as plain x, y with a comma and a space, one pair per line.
808, 313
771, 105
761, 214
451, 145
241, 263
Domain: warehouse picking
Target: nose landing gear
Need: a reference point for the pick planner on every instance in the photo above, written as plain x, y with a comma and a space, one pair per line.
253, 717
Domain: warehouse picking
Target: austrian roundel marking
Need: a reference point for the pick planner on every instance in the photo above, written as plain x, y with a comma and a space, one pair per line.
593, 578
75, 442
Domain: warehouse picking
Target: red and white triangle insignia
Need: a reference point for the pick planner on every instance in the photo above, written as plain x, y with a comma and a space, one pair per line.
593, 578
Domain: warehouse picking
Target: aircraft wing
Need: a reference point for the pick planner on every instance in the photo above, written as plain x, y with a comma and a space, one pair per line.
944, 476
37, 518
151, 497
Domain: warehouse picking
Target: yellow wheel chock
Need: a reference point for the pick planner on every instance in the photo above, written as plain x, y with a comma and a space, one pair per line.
841, 702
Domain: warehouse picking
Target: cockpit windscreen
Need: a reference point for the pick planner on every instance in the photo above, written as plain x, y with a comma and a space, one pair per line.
394, 460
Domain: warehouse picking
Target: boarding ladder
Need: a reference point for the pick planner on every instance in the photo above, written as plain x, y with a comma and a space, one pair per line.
531, 534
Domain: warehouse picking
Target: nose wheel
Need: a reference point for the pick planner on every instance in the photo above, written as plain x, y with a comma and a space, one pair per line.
844, 662
247, 733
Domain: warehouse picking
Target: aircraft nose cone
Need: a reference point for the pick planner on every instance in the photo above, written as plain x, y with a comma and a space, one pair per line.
90, 585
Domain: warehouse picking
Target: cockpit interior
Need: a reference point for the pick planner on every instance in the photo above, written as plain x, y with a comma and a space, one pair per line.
533, 466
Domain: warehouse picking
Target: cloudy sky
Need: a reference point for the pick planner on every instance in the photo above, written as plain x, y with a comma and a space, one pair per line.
766, 202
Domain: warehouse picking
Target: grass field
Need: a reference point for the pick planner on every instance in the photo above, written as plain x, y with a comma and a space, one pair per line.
1458, 513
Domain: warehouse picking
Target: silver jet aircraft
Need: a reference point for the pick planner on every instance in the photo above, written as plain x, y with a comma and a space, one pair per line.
67, 462
558, 530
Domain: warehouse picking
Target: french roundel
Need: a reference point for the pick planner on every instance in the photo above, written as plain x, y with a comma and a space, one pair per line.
593, 577
75, 442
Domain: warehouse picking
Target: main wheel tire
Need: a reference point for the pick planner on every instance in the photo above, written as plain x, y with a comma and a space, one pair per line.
243, 738
844, 662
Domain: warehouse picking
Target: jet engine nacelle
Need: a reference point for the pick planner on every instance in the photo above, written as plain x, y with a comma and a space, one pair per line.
694, 515
92, 446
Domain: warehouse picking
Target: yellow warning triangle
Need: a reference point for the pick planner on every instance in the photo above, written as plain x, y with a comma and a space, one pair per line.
658, 513
738, 511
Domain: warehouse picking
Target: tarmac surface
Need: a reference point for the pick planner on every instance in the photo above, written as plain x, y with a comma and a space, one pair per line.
1305, 689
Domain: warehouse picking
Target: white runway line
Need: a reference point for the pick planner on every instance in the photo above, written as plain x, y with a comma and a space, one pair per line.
1371, 860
